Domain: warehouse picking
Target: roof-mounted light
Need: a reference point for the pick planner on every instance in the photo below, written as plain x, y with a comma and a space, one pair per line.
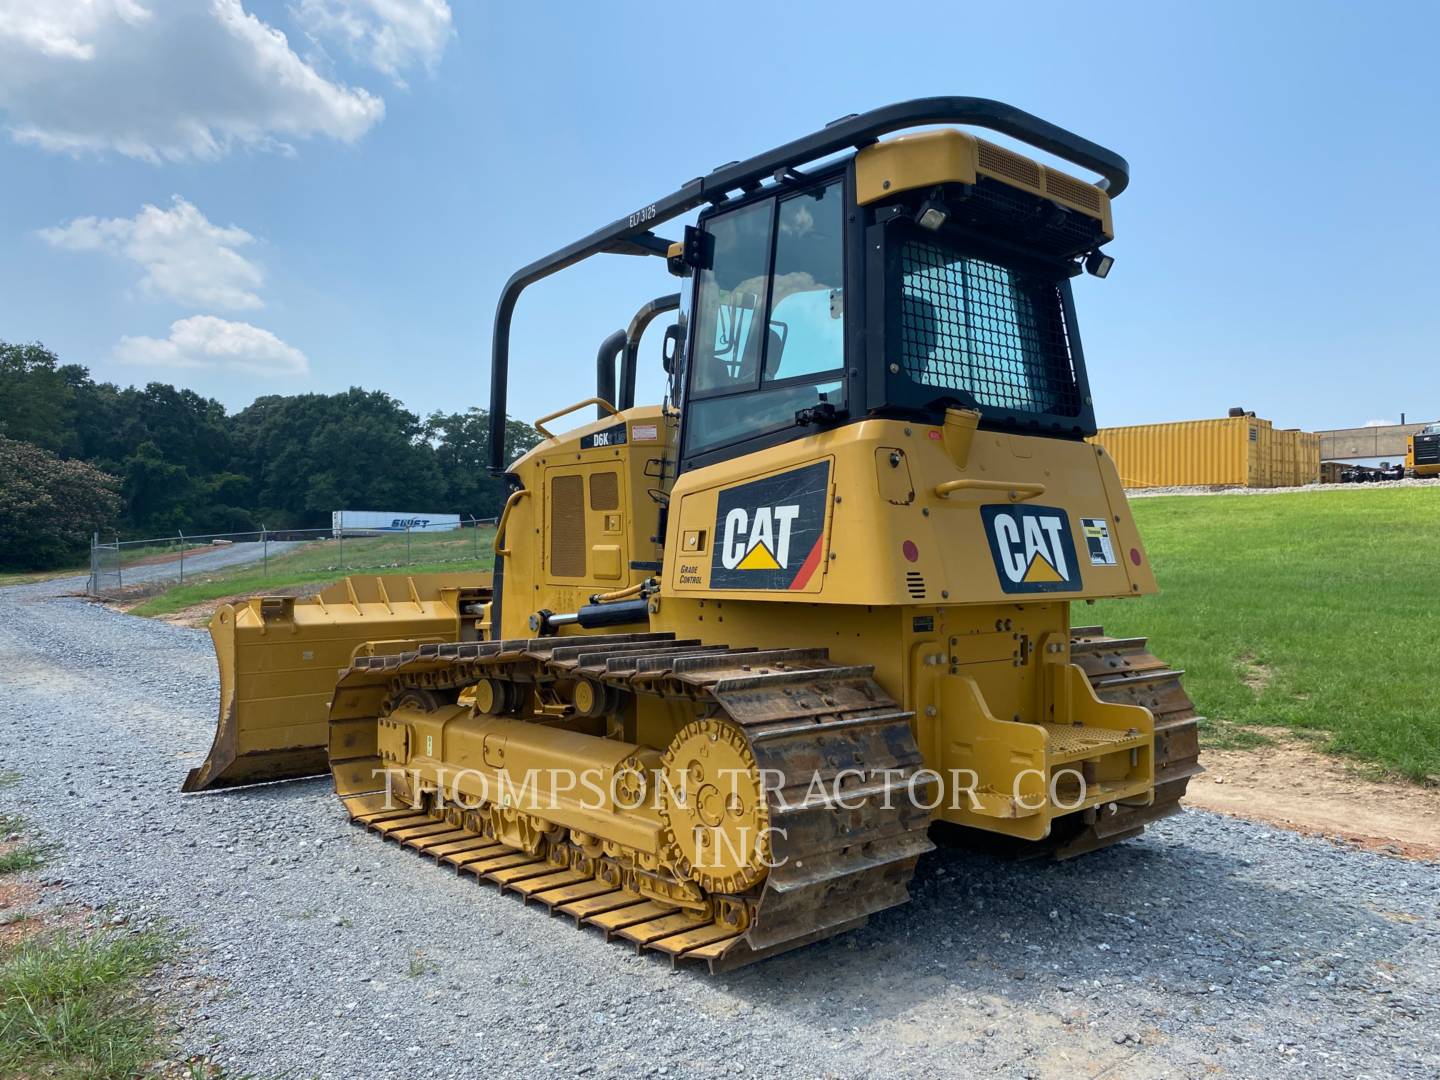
1098, 263
932, 214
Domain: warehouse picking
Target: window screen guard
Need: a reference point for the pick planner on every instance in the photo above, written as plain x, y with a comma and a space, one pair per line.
965, 329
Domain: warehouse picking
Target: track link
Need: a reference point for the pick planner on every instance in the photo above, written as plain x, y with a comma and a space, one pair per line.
841, 852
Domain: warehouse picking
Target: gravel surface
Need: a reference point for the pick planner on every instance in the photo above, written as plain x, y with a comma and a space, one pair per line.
1141, 493
1209, 945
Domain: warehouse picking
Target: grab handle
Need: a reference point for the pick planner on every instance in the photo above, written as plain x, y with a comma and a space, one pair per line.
1017, 492
501, 551
539, 425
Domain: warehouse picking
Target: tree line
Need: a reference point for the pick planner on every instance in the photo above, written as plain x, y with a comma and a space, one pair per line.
78, 455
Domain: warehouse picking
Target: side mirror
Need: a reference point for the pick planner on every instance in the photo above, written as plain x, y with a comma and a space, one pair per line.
670, 349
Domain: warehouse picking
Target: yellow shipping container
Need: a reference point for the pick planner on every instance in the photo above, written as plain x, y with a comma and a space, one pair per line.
1287, 462
1308, 458
1236, 451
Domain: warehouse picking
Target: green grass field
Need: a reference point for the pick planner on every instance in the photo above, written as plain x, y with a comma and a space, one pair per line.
72, 1005
321, 562
1318, 611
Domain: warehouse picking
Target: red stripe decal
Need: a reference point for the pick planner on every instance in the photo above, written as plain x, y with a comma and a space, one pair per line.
807, 568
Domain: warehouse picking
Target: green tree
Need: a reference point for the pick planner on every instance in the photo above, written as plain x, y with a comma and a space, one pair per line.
49, 506
37, 402
185, 465
313, 454
462, 450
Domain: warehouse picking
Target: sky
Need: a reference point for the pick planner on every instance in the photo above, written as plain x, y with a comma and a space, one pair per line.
249, 197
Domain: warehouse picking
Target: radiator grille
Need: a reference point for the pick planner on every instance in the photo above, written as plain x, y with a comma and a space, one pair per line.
972, 325
1000, 162
605, 491
1072, 190
567, 526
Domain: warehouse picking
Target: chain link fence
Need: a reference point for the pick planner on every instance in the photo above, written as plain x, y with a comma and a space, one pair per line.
126, 565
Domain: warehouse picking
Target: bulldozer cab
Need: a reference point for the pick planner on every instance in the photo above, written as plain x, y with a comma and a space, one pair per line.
885, 286
838, 281
838, 277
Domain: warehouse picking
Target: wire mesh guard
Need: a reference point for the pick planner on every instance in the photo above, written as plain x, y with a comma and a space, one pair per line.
971, 325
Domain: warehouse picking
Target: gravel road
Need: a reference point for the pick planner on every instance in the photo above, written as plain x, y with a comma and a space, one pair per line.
1209, 946
197, 561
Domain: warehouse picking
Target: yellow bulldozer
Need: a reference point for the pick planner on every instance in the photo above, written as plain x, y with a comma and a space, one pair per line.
742, 649
1422, 452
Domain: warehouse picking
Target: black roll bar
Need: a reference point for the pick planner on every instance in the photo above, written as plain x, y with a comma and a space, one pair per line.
632, 235
605, 370
643, 318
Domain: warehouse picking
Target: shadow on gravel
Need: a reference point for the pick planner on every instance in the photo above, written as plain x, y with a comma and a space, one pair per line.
1150, 915
278, 791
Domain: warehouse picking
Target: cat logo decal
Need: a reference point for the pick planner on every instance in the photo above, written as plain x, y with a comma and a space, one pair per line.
1032, 548
771, 533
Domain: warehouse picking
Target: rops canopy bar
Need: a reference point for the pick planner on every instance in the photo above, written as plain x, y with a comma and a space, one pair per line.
631, 235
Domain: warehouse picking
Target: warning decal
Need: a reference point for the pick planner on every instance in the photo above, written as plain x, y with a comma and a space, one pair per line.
1032, 548
1097, 540
770, 532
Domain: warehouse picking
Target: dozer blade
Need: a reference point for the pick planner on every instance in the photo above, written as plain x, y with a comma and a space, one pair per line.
279, 657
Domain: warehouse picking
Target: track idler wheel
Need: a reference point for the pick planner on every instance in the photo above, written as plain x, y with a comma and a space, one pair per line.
496, 697
717, 823
594, 699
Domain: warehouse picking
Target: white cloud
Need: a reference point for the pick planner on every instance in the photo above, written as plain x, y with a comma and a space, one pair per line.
203, 341
58, 29
388, 35
185, 257
164, 80
1380, 423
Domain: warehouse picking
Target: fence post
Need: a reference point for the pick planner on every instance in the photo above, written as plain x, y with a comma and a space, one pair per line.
264, 551
94, 569
342, 541
474, 538
407, 543
182, 555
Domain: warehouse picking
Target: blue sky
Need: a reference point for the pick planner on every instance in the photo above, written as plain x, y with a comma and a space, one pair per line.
341, 207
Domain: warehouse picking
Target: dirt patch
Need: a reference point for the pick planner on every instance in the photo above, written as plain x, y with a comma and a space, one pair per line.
125, 597
18, 919
1290, 784
1257, 676
23, 913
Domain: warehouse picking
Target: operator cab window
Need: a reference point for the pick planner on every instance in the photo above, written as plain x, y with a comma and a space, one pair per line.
996, 333
770, 322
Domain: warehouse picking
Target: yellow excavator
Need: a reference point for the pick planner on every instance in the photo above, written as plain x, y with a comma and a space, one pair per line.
742, 649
